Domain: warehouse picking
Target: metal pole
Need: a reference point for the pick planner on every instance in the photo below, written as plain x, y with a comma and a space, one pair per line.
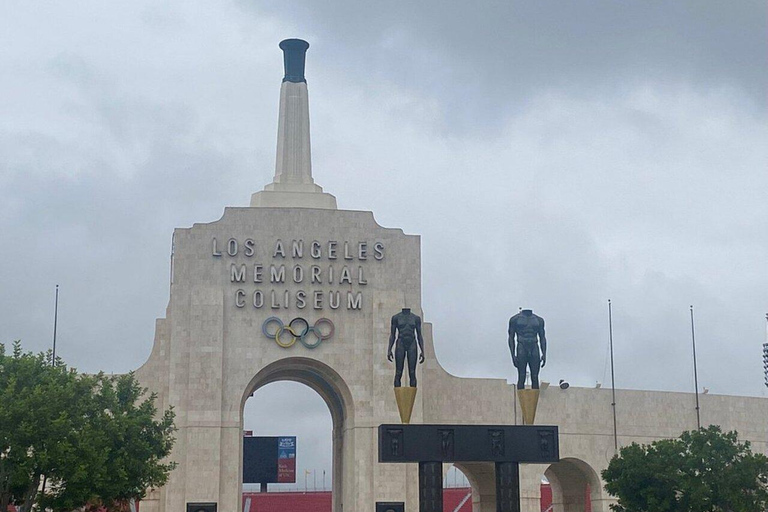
695, 372
613, 379
55, 323
765, 352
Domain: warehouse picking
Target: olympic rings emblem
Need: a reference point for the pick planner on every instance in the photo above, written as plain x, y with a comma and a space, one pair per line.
298, 329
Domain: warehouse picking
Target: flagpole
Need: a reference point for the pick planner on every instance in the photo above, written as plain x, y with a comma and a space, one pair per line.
613, 379
55, 323
695, 371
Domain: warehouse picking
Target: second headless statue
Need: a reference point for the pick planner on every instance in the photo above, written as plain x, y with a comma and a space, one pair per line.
406, 330
526, 334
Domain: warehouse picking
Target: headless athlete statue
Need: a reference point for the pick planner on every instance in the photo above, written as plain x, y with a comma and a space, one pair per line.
408, 328
529, 331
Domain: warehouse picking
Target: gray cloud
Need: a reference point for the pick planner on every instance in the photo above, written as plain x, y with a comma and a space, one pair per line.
485, 61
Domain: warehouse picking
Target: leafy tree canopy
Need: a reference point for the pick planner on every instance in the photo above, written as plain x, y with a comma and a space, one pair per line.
69, 440
705, 470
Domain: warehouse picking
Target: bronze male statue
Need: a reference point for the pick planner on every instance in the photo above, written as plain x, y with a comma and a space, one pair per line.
529, 331
407, 326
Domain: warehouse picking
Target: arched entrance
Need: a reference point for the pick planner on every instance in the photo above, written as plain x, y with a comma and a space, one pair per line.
482, 479
331, 388
576, 487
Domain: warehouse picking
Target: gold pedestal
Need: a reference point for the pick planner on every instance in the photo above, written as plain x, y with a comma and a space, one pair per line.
529, 399
405, 397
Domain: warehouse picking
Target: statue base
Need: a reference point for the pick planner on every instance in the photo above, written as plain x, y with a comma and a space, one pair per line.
405, 397
529, 400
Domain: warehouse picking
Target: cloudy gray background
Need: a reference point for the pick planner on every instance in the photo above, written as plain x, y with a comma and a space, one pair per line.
551, 155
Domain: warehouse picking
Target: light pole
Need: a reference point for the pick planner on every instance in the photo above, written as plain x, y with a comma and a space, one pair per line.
55, 322
765, 352
695, 372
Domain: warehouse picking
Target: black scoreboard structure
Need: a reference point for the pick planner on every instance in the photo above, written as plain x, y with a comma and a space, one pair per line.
507, 446
269, 460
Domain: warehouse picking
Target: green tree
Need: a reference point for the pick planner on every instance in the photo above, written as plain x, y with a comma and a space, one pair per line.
69, 440
705, 470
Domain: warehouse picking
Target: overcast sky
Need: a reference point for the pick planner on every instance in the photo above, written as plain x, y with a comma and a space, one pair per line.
552, 155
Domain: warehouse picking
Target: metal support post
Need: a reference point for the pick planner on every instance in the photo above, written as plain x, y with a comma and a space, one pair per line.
507, 487
430, 487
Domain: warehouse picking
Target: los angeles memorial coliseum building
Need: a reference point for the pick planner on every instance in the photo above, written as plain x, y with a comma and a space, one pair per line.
292, 253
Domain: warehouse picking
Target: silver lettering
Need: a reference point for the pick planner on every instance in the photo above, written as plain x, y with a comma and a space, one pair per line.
240, 298
316, 274
354, 301
232, 247
216, 251
362, 250
316, 250
298, 274
360, 279
347, 256
332, 250
378, 251
298, 248
258, 273
277, 275
275, 304
301, 295
345, 276
249, 244
237, 275
334, 303
318, 300
279, 250
258, 299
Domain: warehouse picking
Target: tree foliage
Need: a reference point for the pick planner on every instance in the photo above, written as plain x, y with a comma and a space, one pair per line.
705, 470
69, 440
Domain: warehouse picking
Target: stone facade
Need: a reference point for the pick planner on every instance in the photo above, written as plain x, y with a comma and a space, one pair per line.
292, 254
210, 355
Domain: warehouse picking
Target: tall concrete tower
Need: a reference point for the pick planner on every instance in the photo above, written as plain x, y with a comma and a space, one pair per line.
293, 185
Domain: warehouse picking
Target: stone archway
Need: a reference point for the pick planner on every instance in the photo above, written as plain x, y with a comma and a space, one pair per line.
482, 478
334, 392
569, 480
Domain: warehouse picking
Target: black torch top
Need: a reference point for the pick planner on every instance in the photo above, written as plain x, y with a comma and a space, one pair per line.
294, 56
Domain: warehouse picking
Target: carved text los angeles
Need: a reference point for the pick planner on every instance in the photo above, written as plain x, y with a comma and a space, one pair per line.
312, 264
